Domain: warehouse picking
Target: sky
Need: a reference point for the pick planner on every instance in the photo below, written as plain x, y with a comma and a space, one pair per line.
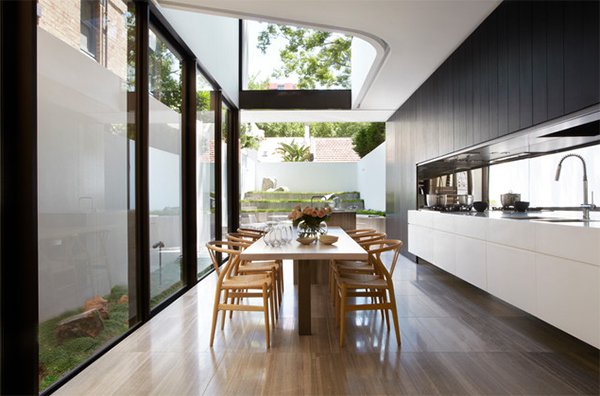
262, 65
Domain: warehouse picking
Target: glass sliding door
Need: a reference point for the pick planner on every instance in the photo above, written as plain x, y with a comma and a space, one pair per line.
165, 84
225, 135
83, 181
205, 170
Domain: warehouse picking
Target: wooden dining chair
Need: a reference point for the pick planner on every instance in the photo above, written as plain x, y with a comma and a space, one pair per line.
254, 267
359, 231
359, 266
376, 290
232, 288
255, 235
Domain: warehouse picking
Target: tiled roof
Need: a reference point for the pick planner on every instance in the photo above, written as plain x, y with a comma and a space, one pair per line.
335, 150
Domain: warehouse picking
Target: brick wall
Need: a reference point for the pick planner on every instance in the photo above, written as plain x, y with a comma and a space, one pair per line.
61, 18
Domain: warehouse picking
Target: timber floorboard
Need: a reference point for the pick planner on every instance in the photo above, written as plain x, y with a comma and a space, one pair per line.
456, 339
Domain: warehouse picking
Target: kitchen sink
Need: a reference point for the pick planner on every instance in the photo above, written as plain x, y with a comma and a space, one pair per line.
526, 218
567, 220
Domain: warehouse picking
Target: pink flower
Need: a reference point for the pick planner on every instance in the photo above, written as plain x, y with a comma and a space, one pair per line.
314, 212
307, 211
321, 212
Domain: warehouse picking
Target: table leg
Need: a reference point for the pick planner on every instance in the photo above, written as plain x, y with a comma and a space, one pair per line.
304, 308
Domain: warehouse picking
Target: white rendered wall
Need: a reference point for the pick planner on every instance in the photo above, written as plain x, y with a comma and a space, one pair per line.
362, 57
370, 178
310, 176
214, 40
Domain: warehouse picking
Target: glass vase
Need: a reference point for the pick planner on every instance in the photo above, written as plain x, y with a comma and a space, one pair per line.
311, 230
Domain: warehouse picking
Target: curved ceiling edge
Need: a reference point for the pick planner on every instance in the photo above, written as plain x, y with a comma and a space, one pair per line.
382, 49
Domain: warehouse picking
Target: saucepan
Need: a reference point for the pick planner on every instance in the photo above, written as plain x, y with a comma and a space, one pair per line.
509, 199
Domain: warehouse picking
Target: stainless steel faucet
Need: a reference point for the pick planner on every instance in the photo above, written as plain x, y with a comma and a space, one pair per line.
585, 206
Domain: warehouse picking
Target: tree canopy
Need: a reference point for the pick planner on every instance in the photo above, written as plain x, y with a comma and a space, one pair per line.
319, 59
368, 138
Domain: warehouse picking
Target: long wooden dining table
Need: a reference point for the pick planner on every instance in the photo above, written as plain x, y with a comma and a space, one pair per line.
307, 256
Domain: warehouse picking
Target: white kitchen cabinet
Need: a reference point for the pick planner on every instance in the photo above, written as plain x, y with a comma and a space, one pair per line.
444, 251
511, 276
420, 242
444, 223
568, 241
471, 226
520, 233
470, 260
549, 270
568, 296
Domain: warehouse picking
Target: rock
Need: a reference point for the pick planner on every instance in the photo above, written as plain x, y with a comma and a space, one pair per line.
86, 324
97, 302
268, 182
124, 299
282, 189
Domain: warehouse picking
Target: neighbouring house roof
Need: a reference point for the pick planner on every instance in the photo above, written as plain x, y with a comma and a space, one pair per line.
335, 150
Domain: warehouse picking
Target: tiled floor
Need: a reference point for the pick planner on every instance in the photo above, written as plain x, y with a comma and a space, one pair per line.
456, 339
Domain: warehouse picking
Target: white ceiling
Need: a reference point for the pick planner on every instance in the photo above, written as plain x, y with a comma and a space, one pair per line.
418, 35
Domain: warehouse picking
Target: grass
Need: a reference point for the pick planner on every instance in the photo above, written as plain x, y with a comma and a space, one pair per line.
370, 212
57, 359
302, 192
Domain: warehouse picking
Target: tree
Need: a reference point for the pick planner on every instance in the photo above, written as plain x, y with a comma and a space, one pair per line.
320, 59
368, 138
282, 129
293, 152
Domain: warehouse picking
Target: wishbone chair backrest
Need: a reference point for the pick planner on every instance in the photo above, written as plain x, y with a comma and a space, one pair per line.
376, 248
368, 238
231, 249
240, 238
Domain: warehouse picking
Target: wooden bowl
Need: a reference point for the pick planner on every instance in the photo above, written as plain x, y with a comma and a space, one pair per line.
328, 239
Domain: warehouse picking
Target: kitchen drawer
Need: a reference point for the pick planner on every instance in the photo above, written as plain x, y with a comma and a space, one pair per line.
470, 261
444, 249
444, 222
519, 234
568, 296
422, 218
569, 242
511, 275
420, 242
470, 226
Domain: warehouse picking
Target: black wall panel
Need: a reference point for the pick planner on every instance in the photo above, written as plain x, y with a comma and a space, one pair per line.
527, 63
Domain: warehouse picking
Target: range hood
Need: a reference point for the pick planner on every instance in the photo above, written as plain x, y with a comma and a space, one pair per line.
575, 130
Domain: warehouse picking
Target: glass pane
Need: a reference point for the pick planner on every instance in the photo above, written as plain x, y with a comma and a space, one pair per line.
285, 57
205, 171
83, 185
225, 131
164, 170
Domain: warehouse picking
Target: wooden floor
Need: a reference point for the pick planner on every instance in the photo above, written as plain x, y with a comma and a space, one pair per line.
456, 339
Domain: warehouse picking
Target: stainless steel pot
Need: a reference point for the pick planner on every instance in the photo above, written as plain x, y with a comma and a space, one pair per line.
432, 200
509, 199
464, 199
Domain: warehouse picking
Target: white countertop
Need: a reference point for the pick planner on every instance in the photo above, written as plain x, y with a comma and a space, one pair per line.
537, 217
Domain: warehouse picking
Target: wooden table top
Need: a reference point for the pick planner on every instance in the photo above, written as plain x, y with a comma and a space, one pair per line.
344, 249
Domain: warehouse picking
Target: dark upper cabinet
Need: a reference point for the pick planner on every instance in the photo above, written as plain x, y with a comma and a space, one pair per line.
555, 59
527, 63
581, 43
539, 50
514, 64
502, 51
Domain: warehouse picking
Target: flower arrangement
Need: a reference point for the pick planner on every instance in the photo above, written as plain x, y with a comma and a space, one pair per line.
310, 215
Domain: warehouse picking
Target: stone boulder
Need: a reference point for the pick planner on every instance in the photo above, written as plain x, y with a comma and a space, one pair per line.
268, 183
85, 324
97, 302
